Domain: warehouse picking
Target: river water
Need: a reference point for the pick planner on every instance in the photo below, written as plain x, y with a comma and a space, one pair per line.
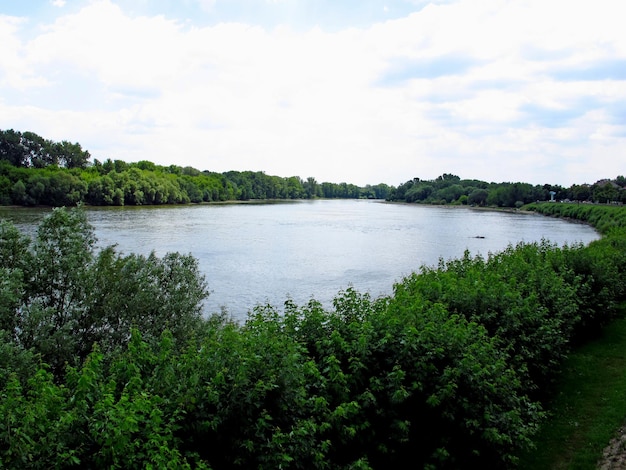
267, 253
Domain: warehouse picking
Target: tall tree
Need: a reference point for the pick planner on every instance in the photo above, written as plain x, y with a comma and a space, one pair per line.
11, 148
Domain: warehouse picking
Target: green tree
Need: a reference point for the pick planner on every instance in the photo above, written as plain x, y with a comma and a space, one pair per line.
54, 290
450, 193
311, 188
37, 150
419, 192
11, 148
39, 188
148, 293
605, 193
580, 192
15, 261
70, 155
293, 188
18, 193
59, 297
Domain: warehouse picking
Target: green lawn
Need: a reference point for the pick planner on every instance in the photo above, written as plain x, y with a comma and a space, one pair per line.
589, 405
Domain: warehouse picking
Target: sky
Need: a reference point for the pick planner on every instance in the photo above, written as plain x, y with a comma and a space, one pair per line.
356, 91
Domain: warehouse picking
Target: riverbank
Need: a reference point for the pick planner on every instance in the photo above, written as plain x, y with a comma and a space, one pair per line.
587, 425
588, 408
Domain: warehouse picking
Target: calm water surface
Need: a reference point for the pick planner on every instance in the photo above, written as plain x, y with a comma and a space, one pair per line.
266, 253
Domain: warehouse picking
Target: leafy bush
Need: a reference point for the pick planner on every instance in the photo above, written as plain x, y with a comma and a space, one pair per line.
59, 297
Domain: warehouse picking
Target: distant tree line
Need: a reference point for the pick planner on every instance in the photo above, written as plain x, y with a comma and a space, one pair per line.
451, 189
36, 171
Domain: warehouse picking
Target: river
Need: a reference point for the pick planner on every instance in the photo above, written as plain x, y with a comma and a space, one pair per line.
266, 253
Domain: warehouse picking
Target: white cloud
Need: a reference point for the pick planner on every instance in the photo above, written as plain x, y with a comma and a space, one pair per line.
476, 92
58, 3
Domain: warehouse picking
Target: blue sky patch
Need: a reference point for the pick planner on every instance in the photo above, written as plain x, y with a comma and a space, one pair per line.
401, 71
601, 70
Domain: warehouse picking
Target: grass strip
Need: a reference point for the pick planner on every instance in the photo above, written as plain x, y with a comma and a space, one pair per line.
588, 407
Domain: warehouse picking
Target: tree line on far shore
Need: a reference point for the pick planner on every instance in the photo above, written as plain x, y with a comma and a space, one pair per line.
451, 189
38, 171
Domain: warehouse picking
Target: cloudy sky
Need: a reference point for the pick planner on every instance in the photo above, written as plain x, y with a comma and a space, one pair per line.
360, 91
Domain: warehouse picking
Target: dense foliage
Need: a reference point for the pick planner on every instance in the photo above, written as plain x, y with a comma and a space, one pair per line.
59, 297
36, 171
604, 218
31, 150
450, 189
105, 360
